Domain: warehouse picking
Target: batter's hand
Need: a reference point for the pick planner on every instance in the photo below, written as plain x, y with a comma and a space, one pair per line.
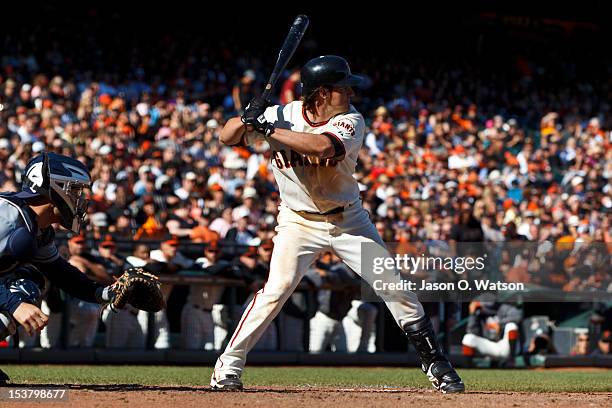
256, 107
30, 317
253, 116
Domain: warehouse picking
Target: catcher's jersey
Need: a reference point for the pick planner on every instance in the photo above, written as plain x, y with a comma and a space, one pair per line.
21, 241
308, 183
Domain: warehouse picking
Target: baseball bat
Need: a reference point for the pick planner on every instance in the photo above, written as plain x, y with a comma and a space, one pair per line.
296, 32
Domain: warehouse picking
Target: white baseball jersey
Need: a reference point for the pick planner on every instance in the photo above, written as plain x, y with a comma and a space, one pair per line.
308, 183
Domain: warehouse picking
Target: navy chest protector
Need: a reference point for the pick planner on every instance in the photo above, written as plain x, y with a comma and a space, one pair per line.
23, 241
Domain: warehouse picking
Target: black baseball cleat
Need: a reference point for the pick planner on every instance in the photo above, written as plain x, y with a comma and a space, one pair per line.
4, 378
229, 382
439, 370
444, 378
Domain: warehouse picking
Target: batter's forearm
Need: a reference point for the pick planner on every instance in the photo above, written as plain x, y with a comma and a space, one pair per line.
309, 144
232, 132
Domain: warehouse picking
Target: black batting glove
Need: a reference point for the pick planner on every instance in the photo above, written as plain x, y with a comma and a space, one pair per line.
254, 110
254, 116
263, 126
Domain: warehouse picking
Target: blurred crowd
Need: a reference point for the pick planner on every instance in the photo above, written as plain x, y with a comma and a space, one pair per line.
455, 153
159, 169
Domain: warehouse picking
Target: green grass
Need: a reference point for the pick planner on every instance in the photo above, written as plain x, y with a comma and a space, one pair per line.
475, 380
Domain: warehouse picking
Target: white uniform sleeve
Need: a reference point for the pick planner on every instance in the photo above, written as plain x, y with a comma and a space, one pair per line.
157, 255
370, 142
346, 134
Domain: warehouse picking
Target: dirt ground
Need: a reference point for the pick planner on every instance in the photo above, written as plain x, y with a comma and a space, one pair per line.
270, 397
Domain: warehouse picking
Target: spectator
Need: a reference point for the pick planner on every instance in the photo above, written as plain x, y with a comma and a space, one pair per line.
243, 91
179, 223
151, 224
169, 255
187, 187
603, 345
341, 322
290, 89
241, 233
202, 232
221, 225
106, 255
492, 331
248, 207
141, 256
467, 229
85, 316
203, 326
169, 260
540, 344
581, 348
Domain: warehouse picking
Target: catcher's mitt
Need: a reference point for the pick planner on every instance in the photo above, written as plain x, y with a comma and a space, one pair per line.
140, 289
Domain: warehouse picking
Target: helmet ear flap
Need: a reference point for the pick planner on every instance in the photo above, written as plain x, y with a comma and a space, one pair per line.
67, 215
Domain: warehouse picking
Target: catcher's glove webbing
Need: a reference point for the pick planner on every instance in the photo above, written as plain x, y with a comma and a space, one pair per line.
140, 289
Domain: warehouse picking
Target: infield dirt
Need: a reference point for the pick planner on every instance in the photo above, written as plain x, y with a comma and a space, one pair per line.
271, 397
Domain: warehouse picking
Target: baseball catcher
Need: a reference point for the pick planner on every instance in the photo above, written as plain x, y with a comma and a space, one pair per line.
53, 191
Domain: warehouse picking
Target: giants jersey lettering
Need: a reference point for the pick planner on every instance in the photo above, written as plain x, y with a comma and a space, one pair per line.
308, 183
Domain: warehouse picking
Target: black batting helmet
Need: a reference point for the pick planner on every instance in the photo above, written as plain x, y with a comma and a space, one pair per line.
327, 70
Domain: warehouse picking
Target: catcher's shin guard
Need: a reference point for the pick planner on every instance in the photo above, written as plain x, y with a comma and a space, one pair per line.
439, 370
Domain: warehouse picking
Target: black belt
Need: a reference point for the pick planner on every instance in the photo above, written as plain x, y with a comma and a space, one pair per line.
201, 308
333, 211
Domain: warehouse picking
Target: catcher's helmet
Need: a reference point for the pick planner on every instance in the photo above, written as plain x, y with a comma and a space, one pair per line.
63, 181
327, 70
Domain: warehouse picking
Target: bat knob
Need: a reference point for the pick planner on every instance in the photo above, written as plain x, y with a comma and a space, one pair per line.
301, 19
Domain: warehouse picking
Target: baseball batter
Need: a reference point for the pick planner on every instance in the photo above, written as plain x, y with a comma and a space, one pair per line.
315, 144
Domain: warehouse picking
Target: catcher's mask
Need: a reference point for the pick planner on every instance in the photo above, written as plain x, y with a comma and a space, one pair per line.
64, 181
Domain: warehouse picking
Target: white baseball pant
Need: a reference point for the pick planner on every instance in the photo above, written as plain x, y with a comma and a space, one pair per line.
50, 334
359, 326
220, 320
494, 349
123, 329
161, 329
291, 332
25, 340
197, 328
300, 239
85, 318
323, 331
356, 332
